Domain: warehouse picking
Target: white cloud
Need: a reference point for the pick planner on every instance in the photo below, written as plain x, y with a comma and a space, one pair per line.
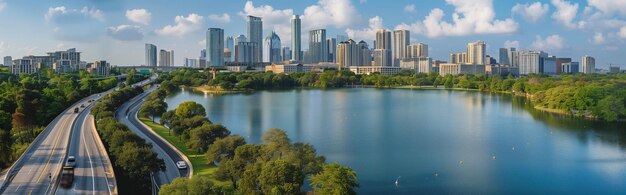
140, 16
609, 6
65, 22
273, 19
511, 44
339, 13
126, 32
552, 42
183, 26
409, 8
599, 39
469, 17
531, 12
565, 14
368, 33
224, 18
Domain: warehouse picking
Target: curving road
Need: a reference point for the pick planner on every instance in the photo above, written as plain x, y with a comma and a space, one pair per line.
126, 115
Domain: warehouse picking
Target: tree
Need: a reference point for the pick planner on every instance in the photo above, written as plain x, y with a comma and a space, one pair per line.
276, 143
198, 185
280, 177
334, 179
224, 148
234, 169
610, 108
306, 158
203, 136
153, 108
190, 109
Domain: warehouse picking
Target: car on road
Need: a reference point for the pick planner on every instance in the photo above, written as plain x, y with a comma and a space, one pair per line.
67, 177
71, 161
76, 110
181, 164
82, 105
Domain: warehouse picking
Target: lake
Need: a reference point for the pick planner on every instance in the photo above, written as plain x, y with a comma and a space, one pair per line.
434, 141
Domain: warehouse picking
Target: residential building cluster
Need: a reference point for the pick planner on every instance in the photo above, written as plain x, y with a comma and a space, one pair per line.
60, 62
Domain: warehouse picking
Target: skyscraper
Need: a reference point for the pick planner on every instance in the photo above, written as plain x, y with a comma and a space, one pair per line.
255, 35
296, 40
476, 52
272, 49
382, 53
506, 56
215, 47
417, 50
318, 52
589, 64
166, 58
151, 55
230, 45
364, 54
401, 39
240, 38
286, 51
331, 47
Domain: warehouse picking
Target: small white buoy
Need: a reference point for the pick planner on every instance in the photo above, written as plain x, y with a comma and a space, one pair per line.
493, 157
460, 162
436, 174
513, 148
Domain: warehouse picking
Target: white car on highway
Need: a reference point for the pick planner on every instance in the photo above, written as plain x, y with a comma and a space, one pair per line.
181, 164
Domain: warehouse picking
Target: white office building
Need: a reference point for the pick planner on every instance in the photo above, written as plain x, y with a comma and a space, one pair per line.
401, 39
589, 64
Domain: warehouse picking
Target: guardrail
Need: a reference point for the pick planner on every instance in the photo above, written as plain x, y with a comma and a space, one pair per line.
181, 154
109, 167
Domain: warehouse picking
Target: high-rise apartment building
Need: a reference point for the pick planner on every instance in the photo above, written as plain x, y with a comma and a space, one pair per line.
589, 64
25, 66
318, 51
530, 61
296, 38
166, 58
272, 49
382, 53
151, 55
331, 47
401, 39
244, 53
417, 50
286, 51
215, 47
255, 35
476, 52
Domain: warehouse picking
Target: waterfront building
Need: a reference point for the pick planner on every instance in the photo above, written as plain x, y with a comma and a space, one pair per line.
456, 69
244, 53
417, 50
286, 53
530, 61
230, 45
293, 68
506, 56
166, 58
151, 55
318, 51
296, 38
255, 35
549, 65
476, 52
382, 53
401, 39
418, 64
215, 47
367, 70
272, 49
331, 47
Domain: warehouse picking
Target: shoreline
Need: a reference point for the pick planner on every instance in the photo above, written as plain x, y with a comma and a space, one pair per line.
210, 89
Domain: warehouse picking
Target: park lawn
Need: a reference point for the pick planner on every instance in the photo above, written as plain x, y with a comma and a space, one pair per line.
200, 167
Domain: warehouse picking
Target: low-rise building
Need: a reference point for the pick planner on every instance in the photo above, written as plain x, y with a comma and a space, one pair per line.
456, 69
503, 70
101, 68
386, 70
25, 66
418, 64
570, 68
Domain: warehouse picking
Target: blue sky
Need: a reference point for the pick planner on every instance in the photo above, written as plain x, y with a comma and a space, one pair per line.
116, 30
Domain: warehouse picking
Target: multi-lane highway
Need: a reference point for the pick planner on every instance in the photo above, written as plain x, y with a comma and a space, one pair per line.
93, 173
36, 171
127, 114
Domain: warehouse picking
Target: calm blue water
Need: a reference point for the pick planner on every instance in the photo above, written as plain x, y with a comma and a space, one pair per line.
434, 141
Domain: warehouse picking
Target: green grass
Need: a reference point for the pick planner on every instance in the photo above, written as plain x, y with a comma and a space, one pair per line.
200, 167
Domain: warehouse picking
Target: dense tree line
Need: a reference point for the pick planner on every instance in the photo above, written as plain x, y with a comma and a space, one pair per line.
29, 102
133, 159
593, 95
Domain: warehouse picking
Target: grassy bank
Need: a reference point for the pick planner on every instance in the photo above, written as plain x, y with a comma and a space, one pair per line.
198, 161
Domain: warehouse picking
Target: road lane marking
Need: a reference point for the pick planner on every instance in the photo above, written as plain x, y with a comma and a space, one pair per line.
52, 153
93, 175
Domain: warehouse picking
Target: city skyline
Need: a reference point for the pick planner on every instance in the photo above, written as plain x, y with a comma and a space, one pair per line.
127, 26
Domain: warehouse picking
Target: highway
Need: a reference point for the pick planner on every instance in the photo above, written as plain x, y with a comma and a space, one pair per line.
126, 114
36, 171
93, 174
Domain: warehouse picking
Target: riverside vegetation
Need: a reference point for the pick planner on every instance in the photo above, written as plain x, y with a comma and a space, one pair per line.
597, 96
277, 166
